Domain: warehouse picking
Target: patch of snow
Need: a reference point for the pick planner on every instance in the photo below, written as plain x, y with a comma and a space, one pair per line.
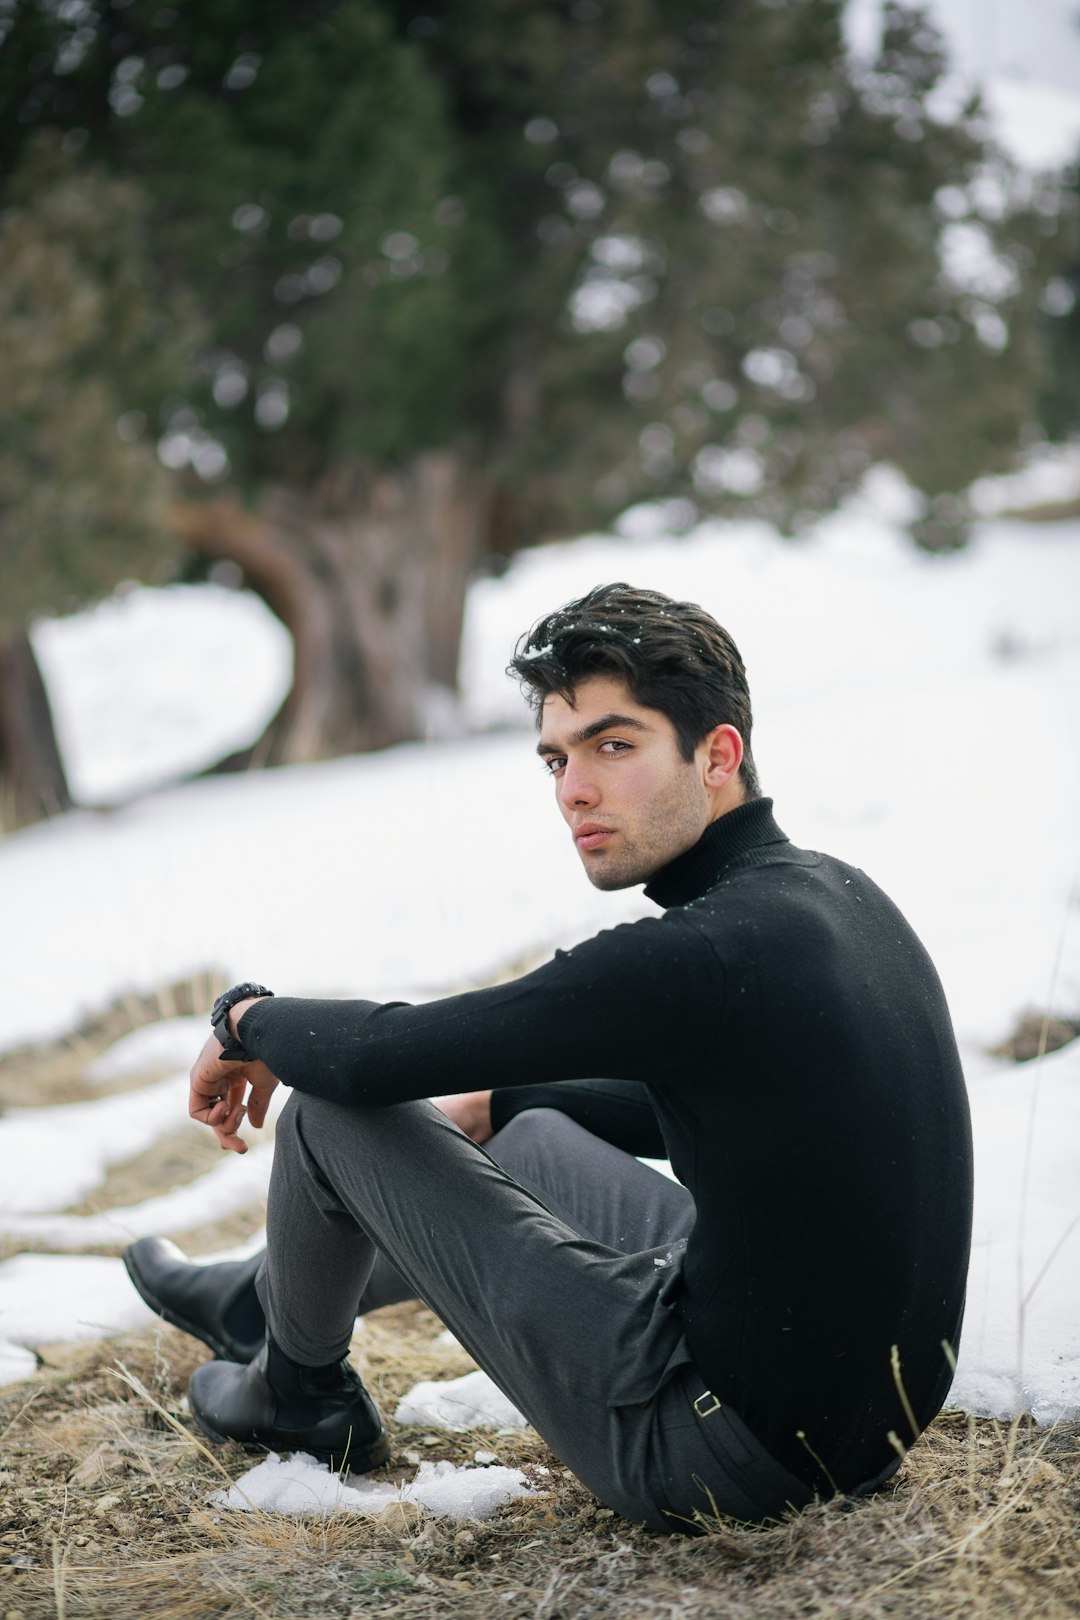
1052, 475
51, 1298
171, 1044
46, 1298
228, 1187
16, 1363
458, 1404
915, 715
299, 1484
221, 664
1020, 1347
56, 1155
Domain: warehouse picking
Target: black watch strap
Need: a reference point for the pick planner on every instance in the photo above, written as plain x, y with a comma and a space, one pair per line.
232, 1049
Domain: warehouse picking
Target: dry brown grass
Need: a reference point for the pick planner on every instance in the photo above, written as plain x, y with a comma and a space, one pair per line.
52, 1071
1036, 1033
104, 1511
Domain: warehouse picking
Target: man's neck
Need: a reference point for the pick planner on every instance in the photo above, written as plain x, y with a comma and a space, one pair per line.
748, 826
727, 799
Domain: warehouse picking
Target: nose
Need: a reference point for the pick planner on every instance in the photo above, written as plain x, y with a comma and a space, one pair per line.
577, 789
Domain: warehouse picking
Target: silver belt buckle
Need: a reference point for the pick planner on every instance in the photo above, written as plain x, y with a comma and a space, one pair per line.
707, 1411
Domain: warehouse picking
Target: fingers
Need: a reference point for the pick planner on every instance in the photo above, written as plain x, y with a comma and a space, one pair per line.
211, 1080
257, 1104
216, 1098
224, 1116
227, 1134
217, 1095
213, 1106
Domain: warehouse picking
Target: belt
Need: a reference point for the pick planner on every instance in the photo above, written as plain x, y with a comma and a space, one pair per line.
744, 1459
741, 1447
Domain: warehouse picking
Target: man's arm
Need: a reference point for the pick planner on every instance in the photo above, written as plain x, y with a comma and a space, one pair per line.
622, 1004
617, 1111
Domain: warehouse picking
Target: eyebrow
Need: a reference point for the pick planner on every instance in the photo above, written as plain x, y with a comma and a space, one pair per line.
607, 722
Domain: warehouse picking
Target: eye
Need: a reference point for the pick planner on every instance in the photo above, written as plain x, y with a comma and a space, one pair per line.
615, 746
554, 764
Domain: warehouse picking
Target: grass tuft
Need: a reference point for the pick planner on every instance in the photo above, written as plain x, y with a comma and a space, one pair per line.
1035, 1034
105, 1486
105, 1512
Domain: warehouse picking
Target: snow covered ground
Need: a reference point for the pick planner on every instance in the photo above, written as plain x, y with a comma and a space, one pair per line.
917, 716
301, 1485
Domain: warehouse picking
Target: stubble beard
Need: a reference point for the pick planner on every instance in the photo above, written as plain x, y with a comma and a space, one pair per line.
666, 830
618, 874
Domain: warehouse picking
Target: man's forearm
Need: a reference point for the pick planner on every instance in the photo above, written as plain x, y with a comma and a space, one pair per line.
606, 1008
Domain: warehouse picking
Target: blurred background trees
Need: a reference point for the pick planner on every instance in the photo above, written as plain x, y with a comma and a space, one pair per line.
362, 296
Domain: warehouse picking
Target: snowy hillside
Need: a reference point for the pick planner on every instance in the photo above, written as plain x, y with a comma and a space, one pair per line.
917, 716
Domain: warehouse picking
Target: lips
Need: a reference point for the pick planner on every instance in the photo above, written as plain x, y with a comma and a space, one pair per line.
590, 835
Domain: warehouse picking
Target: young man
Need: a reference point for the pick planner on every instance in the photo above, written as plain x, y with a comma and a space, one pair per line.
779, 1324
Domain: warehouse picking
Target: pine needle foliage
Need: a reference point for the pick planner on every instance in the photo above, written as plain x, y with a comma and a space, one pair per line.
604, 251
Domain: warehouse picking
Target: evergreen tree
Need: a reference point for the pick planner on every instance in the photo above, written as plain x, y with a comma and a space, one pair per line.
82, 496
1059, 402
401, 286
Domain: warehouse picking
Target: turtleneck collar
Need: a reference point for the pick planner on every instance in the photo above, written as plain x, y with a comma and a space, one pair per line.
748, 827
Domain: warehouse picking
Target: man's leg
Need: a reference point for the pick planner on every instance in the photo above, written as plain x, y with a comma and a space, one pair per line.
582, 1337
218, 1303
579, 1335
599, 1190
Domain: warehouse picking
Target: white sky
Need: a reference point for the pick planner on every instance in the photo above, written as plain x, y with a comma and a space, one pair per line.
1024, 55
1035, 40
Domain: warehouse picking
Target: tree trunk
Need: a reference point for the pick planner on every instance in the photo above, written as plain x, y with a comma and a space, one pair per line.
368, 573
32, 780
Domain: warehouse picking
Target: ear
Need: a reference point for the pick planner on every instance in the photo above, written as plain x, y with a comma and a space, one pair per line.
721, 753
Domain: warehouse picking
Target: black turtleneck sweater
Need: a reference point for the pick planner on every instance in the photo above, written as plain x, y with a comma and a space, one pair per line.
798, 1053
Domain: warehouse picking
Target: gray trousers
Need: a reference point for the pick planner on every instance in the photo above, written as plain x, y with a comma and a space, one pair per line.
556, 1267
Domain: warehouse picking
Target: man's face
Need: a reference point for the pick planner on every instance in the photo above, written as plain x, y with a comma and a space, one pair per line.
629, 798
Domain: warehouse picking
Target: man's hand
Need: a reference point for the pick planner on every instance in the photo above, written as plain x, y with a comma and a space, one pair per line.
470, 1112
217, 1094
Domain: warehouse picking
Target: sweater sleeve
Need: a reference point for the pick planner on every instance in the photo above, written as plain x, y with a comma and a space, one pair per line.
636, 1002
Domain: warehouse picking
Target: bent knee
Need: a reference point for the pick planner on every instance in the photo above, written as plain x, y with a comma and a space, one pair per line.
532, 1134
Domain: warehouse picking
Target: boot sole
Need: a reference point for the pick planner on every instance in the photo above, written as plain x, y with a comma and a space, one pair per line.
374, 1456
174, 1319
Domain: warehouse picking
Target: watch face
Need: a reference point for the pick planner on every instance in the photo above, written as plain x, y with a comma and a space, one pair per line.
227, 1001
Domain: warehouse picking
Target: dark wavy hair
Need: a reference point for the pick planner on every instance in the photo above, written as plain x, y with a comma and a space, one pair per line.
672, 656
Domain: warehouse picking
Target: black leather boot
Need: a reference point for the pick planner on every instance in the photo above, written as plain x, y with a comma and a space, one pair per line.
274, 1404
216, 1303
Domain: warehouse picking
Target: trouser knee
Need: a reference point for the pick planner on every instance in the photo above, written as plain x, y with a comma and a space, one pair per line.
311, 1121
335, 1138
303, 1130
533, 1137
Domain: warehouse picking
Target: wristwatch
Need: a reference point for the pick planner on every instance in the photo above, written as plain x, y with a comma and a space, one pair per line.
232, 1049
